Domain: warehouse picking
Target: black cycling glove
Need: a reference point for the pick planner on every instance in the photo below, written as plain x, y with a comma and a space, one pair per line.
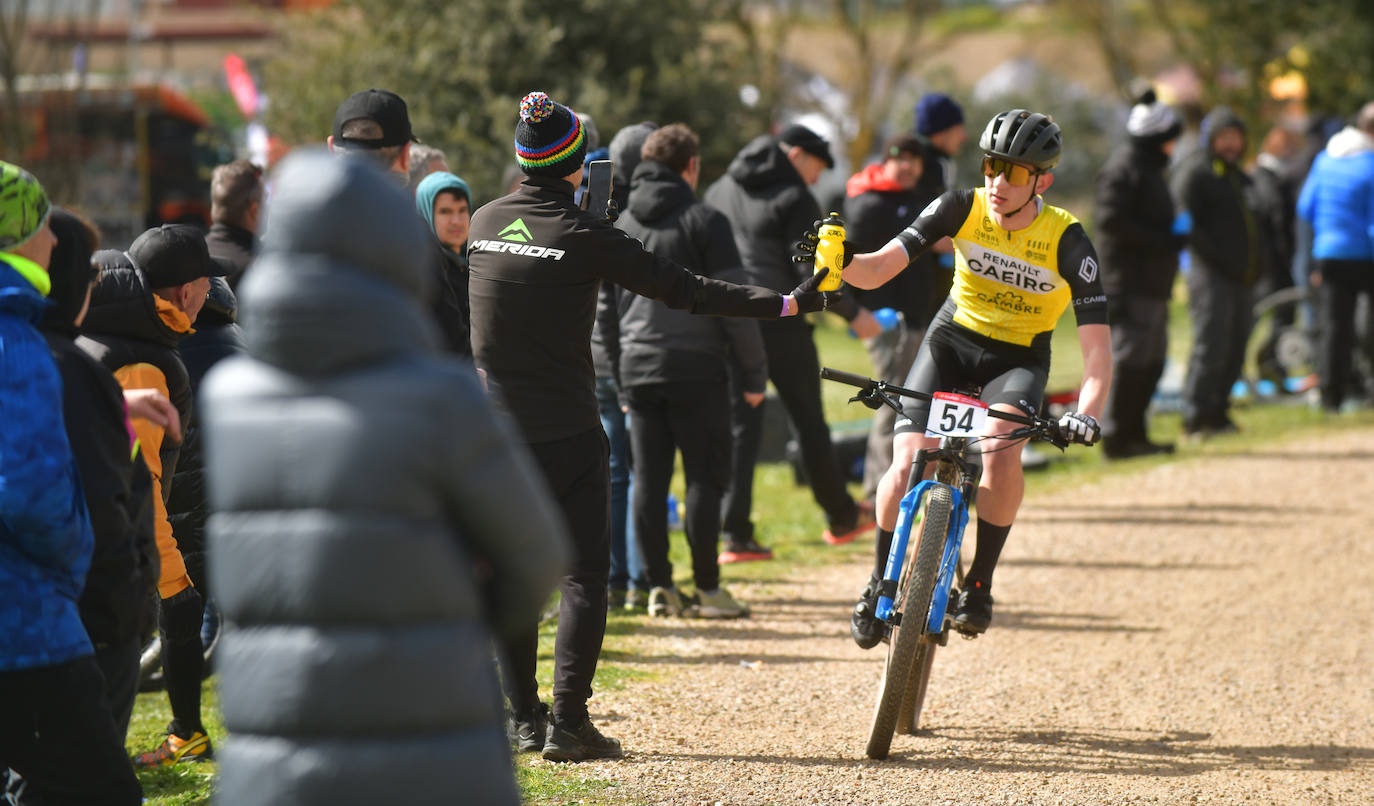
808, 298
1078, 427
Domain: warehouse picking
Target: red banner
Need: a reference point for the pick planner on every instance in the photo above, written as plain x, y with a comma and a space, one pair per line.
241, 85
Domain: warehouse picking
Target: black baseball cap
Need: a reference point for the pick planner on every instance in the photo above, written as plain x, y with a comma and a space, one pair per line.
383, 107
174, 254
808, 141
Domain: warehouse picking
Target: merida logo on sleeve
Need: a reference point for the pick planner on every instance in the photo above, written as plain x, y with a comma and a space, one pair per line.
515, 240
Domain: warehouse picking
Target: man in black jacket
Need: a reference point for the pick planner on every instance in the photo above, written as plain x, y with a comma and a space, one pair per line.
1224, 263
236, 196
116, 483
879, 202
536, 261
217, 336
672, 372
765, 196
142, 306
939, 125
629, 586
1139, 249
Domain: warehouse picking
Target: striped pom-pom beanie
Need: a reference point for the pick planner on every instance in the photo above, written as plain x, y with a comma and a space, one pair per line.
549, 140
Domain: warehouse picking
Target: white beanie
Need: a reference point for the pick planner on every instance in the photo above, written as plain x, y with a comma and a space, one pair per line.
1151, 119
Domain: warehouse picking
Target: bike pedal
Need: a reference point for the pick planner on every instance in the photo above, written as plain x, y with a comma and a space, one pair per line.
968, 636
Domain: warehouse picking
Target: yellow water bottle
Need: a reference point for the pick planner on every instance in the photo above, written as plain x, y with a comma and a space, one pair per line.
830, 251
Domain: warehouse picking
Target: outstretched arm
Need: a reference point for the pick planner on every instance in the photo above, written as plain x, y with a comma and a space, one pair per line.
875, 268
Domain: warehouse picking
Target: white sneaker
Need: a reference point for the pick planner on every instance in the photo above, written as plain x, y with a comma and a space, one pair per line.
664, 602
720, 604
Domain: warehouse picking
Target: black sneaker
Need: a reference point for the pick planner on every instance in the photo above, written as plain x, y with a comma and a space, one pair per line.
975, 611
583, 743
864, 626
528, 730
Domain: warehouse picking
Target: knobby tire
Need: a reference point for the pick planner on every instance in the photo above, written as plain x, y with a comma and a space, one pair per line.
917, 587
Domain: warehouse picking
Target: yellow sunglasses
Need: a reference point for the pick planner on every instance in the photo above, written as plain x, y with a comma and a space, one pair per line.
1016, 174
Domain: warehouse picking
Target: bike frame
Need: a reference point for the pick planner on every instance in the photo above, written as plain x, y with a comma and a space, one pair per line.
950, 450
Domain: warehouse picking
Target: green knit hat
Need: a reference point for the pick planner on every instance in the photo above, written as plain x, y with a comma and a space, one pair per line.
23, 206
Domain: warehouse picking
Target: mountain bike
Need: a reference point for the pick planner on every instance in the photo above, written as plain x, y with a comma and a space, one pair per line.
915, 591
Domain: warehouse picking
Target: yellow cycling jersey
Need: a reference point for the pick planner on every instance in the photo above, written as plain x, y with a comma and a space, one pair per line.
1012, 286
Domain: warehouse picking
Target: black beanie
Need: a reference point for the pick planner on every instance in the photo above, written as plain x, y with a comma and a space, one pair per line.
549, 140
69, 269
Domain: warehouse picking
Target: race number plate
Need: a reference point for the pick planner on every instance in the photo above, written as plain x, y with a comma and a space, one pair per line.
954, 415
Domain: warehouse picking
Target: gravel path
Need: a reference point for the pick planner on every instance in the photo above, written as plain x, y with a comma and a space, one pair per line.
1197, 633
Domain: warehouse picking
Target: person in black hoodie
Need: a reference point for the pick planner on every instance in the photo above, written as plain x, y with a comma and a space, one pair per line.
672, 372
1139, 247
1224, 263
764, 195
236, 196
879, 202
116, 483
535, 264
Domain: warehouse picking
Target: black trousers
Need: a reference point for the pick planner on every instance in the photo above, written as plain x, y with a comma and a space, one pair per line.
693, 417
57, 732
183, 659
1343, 281
119, 666
578, 473
1222, 318
794, 368
1140, 345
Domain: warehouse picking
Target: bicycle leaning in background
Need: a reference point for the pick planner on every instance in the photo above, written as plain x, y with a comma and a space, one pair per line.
916, 589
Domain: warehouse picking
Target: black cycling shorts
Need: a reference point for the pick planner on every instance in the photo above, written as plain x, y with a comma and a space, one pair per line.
953, 358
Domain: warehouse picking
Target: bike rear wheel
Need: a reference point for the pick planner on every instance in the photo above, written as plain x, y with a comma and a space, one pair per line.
917, 586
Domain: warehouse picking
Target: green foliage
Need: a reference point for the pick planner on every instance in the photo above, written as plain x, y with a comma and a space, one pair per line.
463, 66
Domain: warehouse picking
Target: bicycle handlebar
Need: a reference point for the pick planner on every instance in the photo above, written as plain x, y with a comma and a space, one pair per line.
870, 385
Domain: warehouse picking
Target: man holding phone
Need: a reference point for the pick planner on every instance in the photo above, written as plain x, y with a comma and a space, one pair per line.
536, 262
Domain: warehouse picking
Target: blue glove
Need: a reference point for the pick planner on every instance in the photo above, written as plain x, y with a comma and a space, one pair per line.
1183, 223
945, 260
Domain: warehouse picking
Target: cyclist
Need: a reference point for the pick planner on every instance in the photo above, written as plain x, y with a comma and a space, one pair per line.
1019, 264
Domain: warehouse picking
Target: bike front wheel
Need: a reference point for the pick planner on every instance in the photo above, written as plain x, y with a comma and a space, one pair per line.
915, 589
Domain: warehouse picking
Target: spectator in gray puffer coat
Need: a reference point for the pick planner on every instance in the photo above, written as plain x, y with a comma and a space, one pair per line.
374, 525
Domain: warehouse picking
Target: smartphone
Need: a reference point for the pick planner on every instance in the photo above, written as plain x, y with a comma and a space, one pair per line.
599, 176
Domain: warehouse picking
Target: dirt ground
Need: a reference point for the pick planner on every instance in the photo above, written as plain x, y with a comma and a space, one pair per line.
1201, 632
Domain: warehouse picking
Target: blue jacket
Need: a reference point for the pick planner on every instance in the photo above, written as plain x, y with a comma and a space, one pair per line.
45, 533
1338, 198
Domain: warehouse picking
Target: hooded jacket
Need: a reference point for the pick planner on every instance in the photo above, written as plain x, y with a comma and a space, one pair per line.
114, 479
450, 294
1225, 237
536, 262
217, 337
134, 334
1338, 198
875, 210
45, 532
769, 208
374, 523
1134, 215
655, 343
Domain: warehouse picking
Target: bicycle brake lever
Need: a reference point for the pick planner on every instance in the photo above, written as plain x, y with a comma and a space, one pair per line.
870, 398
